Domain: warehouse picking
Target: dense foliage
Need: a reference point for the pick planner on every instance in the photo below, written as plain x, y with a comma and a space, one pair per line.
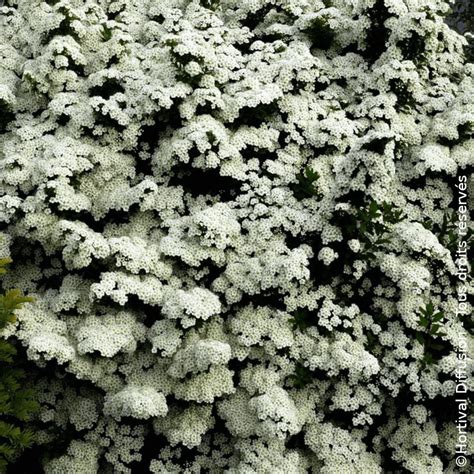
236, 220
17, 403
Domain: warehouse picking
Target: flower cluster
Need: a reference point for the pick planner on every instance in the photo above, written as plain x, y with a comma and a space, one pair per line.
229, 214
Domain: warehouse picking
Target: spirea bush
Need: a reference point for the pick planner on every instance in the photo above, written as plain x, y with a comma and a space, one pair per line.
238, 222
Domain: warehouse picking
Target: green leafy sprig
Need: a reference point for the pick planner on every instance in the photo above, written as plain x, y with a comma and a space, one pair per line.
371, 225
430, 320
305, 188
17, 403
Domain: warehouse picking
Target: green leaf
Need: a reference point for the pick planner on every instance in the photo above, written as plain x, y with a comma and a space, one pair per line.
427, 224
17, 403
7, 351
373, 208
434, 328
305, 186
424, 322
419, 337
3, 263
428, 359
106, 33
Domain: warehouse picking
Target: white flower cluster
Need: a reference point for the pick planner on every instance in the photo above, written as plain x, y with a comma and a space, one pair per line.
238, 222
137, 402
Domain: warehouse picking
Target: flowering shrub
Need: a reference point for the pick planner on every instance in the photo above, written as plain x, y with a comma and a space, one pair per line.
232, 217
